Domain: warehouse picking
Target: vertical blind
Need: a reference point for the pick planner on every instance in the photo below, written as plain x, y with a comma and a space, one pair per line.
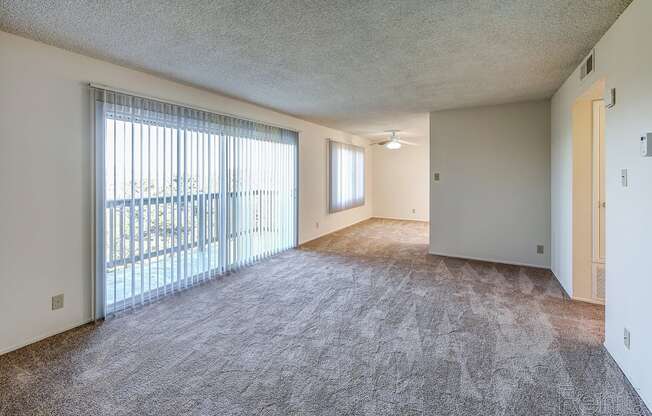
346, 176
182, 195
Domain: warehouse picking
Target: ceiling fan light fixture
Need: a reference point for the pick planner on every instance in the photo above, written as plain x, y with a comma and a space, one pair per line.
393, 145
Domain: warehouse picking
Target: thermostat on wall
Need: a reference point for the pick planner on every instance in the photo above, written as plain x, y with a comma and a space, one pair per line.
646, 145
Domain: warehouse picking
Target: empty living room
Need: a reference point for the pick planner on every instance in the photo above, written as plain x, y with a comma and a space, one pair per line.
221, 207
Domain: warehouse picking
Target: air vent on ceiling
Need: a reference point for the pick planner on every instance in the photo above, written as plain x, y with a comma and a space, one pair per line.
588, 65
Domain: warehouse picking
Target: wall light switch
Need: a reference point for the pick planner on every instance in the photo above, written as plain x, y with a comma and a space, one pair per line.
436, 176
646, 145
623, 177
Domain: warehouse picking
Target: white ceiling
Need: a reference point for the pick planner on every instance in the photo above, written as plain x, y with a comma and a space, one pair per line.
361, 66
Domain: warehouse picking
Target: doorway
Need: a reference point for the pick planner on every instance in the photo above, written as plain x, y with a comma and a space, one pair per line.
599, 202
589, 199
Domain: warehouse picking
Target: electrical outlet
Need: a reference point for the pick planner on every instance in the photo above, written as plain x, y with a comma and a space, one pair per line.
317, 225
539, 249
57, 302
436, 176
627, 338
414, 211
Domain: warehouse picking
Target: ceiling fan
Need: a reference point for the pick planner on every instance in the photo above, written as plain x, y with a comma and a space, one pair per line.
394, 142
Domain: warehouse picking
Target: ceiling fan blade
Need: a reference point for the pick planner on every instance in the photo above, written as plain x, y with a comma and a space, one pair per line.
408, 143
381, 143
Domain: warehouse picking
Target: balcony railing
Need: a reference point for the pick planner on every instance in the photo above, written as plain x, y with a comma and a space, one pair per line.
172, 224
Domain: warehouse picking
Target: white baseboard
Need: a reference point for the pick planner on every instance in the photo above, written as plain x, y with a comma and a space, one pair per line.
334, 231
399, 219
587, 300
43, 336
511, 263
561, 286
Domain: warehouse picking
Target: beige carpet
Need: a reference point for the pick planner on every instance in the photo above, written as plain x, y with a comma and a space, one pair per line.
360, 322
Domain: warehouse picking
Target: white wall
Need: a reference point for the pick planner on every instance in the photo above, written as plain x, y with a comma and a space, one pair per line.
401, 180
45, 198
492, 200
624, 58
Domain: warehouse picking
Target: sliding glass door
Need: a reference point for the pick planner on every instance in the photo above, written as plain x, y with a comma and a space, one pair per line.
183, 195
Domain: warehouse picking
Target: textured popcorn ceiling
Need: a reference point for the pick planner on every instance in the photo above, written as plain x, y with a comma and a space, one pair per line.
362, 66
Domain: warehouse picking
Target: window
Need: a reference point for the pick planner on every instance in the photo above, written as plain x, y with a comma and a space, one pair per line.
346, 176
183, 195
